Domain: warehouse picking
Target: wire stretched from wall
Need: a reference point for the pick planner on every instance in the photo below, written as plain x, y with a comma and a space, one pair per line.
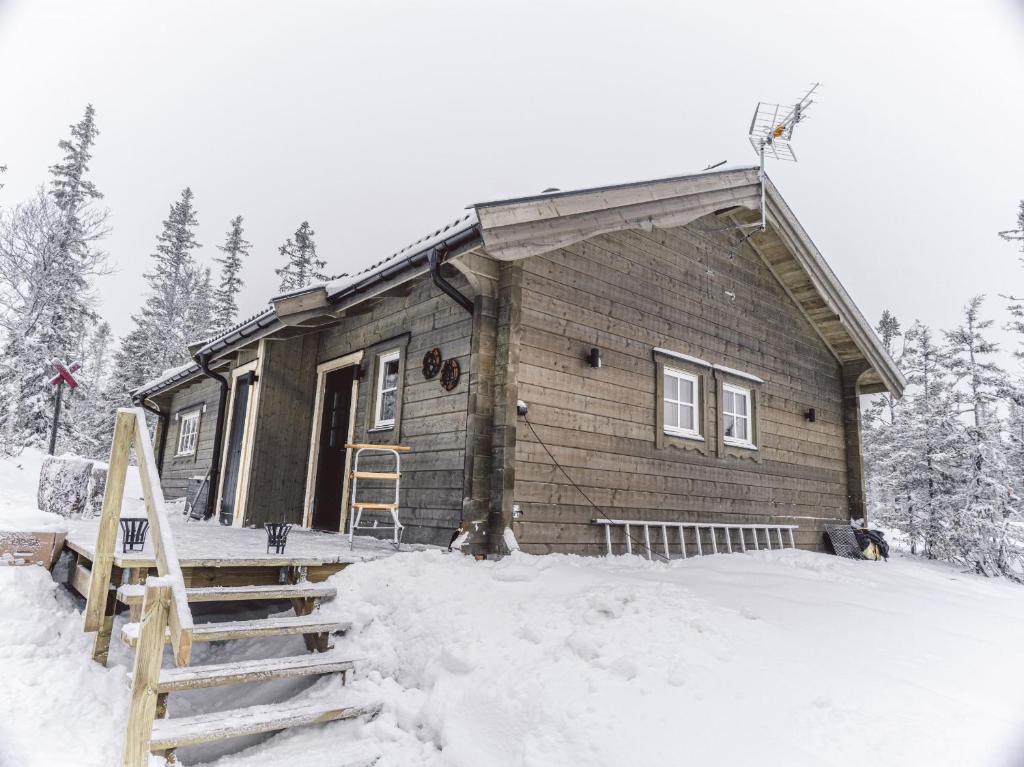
579, 489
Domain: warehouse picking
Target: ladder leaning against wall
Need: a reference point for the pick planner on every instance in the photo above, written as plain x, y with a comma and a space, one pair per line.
357, 506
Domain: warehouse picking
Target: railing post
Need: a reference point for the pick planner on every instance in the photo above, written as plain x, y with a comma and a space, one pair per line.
146, 672
106, 538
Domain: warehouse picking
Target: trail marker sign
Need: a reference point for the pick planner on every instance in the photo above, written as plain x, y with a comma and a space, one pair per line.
65, 376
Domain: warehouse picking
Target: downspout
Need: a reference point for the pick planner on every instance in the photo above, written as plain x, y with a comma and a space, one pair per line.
218, 433
164, 420
434, 260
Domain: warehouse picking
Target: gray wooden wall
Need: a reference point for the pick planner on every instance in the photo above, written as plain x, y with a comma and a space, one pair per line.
277, 475
178, 470
431, 421
628, 293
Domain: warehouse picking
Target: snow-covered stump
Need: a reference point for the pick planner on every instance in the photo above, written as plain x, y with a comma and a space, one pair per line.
64, 485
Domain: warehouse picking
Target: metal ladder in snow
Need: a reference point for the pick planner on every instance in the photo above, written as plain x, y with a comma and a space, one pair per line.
357, 507
714, 532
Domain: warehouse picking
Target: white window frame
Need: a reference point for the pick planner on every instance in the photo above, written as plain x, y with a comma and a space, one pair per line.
188, 440
382, 360
747, 394
675, 431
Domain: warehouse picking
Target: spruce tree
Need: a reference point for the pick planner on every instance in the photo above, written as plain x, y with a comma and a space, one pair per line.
49, 260
969, 354
174, 312
302, 266
235, 248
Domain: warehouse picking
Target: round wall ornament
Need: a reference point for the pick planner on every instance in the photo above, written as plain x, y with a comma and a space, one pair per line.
450, 373
431, 363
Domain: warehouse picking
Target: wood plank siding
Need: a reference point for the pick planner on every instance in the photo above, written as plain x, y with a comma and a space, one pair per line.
202, 393
430, 420
693, 291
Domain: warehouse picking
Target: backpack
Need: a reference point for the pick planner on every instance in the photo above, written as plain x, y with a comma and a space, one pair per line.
873, 544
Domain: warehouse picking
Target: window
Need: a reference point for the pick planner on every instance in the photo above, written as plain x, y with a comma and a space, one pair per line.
387, 390
188, 432
681, 398
737, 426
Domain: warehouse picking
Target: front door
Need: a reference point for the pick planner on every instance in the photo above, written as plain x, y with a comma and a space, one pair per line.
233, 458
330, 466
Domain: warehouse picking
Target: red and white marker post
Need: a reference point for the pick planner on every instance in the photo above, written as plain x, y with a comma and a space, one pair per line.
64, 376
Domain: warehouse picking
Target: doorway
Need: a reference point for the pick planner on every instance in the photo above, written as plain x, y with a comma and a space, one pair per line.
233, 453
334, 431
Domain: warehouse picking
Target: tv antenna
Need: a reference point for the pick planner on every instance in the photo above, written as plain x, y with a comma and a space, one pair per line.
771, 135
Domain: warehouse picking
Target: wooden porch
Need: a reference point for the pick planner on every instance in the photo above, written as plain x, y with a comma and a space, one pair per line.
214, 555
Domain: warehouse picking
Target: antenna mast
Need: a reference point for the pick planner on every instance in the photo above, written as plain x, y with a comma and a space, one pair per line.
771, 135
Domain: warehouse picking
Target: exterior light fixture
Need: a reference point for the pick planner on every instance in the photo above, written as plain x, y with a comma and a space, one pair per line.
594, 358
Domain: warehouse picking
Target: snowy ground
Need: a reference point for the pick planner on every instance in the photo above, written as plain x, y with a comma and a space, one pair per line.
767, 657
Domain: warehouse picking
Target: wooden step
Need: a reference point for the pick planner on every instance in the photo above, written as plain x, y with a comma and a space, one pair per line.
375, 505
203, 728
132, 594
216, 632
393, 475
184, 678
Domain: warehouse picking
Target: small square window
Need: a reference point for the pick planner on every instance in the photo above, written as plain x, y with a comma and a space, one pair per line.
188, 433
387, 390
737, 427
681, 397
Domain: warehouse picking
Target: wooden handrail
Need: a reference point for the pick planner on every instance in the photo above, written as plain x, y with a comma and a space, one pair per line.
130, 429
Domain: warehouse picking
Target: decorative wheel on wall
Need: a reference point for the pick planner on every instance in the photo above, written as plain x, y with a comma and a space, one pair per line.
450, 373
431, 363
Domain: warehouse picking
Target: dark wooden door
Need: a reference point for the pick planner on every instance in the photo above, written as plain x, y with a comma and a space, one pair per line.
233, 461
330, 464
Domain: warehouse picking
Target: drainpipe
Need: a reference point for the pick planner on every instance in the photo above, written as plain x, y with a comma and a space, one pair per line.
434, 260
164, 420
218, 433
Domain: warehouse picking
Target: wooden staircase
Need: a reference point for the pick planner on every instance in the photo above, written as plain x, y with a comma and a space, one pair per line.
160, 613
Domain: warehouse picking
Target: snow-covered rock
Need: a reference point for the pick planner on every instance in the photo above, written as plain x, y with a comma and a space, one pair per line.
64, 485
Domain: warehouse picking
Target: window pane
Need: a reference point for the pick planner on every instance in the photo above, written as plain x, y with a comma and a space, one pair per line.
730, 426
741, 405
387, 405
741, 428
685, 390
671, 415
686, 417
390, 374
671, 387
728, 404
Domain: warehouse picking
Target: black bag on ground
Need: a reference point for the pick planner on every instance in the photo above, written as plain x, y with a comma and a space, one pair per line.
867, 537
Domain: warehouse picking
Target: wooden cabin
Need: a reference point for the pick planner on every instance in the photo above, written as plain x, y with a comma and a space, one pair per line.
676, 362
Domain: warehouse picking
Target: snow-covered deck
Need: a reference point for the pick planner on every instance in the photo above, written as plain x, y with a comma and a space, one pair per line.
207, 544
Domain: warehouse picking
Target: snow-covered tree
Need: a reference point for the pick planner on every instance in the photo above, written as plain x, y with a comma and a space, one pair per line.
49, 260
302, 266
178, 304
91, 403
235, 248
970, 362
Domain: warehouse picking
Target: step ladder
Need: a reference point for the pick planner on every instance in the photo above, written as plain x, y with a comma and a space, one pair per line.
357, 507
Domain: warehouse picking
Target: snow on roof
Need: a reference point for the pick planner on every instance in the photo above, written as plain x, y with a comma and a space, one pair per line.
168, 375
461, 224
236, 327
627, 185
339, 283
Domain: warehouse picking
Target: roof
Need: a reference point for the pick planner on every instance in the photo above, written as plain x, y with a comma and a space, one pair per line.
516, 228
464, 223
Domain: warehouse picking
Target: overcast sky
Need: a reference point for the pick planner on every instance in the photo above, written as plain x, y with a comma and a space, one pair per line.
379, 121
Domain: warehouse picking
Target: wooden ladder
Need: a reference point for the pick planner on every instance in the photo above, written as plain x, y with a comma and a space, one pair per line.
357, 507
160, 613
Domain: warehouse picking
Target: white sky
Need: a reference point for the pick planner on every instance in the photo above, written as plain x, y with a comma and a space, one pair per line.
379, 121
